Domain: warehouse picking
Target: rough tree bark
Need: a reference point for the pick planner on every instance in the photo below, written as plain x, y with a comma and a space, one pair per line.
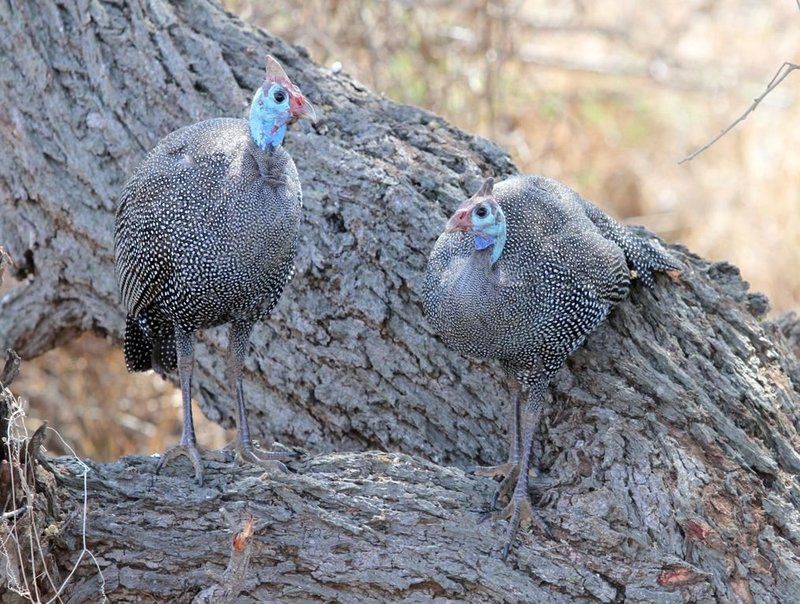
668, 456
346, 361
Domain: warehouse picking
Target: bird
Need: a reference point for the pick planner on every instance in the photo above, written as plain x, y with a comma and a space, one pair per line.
524, 271
205, 234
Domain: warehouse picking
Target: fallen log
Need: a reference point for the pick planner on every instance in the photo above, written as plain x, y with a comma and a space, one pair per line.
669, 453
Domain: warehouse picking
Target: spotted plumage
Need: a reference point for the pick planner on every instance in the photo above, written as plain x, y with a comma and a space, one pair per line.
524, 272
206, 234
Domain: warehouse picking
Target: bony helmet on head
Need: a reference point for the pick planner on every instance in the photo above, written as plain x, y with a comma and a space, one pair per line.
276, 104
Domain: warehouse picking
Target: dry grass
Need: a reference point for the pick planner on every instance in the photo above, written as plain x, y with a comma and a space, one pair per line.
606, 96
27, 533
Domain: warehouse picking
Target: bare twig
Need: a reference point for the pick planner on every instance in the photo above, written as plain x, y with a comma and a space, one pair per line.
780, 75
4, 257
14, 513
28, 574
84, 516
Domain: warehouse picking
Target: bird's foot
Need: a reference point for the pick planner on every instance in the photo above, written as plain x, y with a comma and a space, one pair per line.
507, 472
270, 460
518, 510
194, 453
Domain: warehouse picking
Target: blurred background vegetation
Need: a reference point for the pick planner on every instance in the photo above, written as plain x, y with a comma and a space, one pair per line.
604, 95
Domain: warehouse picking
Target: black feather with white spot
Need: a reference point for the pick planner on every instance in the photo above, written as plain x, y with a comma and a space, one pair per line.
206, 232
564, 265
524, 272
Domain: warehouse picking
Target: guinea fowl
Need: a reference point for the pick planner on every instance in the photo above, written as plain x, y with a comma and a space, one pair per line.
524, 271
206, 233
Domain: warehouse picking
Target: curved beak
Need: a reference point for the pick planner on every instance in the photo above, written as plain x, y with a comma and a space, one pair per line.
301, 108
460, 221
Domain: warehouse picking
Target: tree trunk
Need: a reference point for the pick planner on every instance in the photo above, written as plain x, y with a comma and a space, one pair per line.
668, 453
346, 361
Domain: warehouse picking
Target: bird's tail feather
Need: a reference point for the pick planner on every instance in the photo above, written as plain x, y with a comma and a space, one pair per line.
149, 344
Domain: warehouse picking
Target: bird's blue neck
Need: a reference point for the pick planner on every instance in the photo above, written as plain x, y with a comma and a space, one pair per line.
494, 235
267, 125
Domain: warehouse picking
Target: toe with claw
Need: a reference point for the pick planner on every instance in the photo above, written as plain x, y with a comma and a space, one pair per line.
506, 486
271, 460
499, 471
518, 510
508, 473
189, 450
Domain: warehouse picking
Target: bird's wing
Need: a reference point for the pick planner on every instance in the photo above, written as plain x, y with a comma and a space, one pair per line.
598, 264
172, 199
644, 255
558, 242
142, 259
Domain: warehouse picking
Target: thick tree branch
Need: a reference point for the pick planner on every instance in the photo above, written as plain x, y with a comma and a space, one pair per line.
668, 473
668, 453
347, 360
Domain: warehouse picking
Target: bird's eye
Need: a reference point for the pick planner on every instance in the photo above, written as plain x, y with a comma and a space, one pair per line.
481, 212
279, 96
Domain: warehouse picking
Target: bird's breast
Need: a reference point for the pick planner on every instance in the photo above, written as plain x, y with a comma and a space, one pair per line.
467, 316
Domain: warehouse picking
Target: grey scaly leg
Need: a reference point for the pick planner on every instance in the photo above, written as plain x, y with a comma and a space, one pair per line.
508, 471
238, 342
184, 343
516, 434
510, 478
520, 507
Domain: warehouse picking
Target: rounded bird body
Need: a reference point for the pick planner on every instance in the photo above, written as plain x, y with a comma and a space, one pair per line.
523, 273
554, 282
207, 227
206, 233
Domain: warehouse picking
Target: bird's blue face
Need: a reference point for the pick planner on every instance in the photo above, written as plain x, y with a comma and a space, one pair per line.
269, 115
484, 219
276, 104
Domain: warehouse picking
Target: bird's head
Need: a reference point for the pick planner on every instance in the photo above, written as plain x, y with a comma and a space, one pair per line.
276, 104
482, 217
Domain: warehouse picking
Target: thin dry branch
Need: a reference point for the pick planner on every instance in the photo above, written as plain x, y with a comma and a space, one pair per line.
779, 76
27, 558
